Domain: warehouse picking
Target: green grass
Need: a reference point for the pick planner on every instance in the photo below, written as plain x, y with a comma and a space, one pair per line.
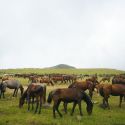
10, 114
66, 71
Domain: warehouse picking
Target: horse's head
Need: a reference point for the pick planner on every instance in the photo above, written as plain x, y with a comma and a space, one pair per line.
88, 101
89, 108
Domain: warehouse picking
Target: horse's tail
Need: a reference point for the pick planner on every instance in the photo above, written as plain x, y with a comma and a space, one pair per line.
50, 96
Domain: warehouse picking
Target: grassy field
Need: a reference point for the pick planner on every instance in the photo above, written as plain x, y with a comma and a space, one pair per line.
10, 114
66, 71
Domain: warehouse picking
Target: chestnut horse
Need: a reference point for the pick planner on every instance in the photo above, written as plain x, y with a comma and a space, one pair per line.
84, 85
106, 90
68, 95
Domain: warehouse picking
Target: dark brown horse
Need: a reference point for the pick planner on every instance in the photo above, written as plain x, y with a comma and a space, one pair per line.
106, 90
69, 95
37, 91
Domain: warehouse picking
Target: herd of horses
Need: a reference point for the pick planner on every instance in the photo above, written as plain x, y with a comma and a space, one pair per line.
35, 93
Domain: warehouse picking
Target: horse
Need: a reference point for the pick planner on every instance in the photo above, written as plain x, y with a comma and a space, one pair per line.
34, 90
2, 90
68, 95
47, 81
84, 85
12, 84
106, 90
105, 79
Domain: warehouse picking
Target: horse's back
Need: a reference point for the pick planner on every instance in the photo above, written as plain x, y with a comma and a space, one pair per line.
118, 88
12, 84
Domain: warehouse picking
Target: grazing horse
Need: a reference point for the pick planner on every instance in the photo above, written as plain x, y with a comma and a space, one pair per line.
12, 84
106, 90
34, 90
84, 85
105, 79
68, 95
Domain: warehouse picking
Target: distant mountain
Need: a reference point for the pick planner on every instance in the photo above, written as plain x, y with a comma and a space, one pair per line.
63, 66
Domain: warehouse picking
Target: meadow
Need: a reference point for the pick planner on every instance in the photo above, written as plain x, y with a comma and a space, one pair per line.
10, 114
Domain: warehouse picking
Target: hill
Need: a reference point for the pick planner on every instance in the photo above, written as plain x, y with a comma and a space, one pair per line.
63, 66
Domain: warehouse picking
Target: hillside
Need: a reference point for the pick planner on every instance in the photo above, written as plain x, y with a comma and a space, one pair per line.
63, 66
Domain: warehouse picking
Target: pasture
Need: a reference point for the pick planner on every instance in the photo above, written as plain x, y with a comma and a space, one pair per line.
10, 114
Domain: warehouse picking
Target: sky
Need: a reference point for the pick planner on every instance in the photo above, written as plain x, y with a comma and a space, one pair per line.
80, 33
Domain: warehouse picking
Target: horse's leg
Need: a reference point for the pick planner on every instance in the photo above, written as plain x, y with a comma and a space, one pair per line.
0, 94
90, 93
74, 105
54, 108
40, 104
103, 102
28, 100
3, 95
65, 107
58, 109
14, 92
37, 104
106, 99
32, 103
80, 109
120, 102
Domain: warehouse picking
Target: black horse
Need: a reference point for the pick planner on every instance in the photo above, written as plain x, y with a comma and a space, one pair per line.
69, 95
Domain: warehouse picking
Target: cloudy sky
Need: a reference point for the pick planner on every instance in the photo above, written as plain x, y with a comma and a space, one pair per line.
81, 33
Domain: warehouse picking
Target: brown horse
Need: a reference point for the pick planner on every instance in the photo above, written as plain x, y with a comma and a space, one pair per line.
84, 85
56, 79
106, 90
47, 81
105, 79
69, 95
34, 91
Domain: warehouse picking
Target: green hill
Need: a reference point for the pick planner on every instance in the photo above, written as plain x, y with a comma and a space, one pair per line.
63, 66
